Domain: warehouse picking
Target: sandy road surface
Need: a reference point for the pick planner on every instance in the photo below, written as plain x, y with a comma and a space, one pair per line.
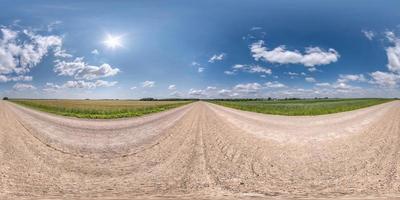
200, 151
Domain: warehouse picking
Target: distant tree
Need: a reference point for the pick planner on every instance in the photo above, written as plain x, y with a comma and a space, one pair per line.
147, 99
5, 98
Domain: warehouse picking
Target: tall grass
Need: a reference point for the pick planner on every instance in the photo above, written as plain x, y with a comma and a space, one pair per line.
302, 107
104, 109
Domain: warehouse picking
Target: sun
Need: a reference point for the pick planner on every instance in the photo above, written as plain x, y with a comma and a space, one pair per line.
113, 41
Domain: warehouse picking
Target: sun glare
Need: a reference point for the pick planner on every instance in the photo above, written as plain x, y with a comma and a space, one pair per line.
113, 41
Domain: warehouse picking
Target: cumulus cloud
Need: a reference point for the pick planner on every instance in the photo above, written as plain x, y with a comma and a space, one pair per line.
95, 52
274, 84
251, 69
310, 79
255, 28
368, 34
22, 87
229, 72
200, 69
393, 53
194, 63
87, 84
15, 78
217, 57
247, 88
20, 54
323, 84
194, 92
385, 79
52, 25
80, 84
148, 84
343, 78
175, 94
343, 86
225, 93
81, 70
211, 88
313, 56
172, 87
389, 79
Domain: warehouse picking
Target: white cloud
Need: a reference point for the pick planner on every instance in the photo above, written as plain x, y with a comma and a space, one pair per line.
323, 84
389, 79
310, 79
95, 72
248, 88
225, 92
148, 84
80, 84
52, 25
22, 86
87, 84
194, 92
211, 88
20, 54
229, 72
393, 53
95, 52
255, 28
217, 57
81, 70
312, 57
175, 94
312, 69
249, 69
195, 63
200, 69
133, 88
343, 78
368, 34
15, 78
385, 79
274, 84
172, 87
343, 86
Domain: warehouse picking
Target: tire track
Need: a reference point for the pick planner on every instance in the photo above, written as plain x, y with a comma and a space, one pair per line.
201, 151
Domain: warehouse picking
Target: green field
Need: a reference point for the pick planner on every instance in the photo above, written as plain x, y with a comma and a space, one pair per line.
301, 107
100, 109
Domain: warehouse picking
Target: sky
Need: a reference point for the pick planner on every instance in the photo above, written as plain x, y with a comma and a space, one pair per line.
199, 49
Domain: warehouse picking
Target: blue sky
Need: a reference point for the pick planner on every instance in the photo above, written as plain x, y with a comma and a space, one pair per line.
207, 49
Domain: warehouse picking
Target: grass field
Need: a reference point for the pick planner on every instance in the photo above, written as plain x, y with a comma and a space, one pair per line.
100, 109
302, 107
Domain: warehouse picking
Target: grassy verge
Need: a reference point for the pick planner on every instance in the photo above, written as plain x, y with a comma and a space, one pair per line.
302, 107
100, 109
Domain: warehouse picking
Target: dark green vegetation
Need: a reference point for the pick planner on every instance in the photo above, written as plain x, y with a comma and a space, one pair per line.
301, 107
100, 109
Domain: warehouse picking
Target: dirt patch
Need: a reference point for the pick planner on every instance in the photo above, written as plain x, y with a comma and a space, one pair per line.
200, 151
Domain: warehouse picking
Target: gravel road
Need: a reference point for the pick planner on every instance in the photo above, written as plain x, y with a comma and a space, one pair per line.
201, 151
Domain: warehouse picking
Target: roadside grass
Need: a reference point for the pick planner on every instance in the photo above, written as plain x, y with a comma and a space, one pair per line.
301, 107
100, 109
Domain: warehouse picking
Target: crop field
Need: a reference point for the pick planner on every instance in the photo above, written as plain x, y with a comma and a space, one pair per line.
301, 107
100, 109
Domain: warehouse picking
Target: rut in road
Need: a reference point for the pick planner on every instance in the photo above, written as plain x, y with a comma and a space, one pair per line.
202, 149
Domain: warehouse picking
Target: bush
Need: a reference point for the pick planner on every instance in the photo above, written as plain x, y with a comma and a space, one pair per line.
5, 98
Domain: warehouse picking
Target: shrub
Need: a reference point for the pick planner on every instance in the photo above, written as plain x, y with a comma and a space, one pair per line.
5, 98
